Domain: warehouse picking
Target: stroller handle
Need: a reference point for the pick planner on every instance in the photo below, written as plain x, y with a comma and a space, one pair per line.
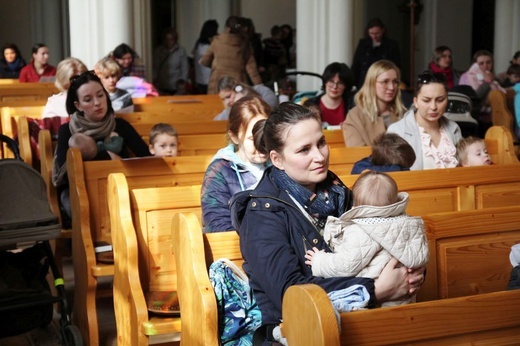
13, 146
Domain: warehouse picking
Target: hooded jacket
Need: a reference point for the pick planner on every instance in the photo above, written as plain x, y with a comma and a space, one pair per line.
226, 175
366, 237
274, 237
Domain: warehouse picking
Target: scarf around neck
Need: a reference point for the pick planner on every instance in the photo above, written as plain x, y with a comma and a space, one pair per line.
331, 196
97, 130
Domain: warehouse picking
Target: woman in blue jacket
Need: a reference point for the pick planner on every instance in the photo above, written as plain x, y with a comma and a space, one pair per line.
285, 214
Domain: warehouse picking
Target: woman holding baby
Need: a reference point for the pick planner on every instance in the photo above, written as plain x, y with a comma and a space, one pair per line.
284, 216
93, 129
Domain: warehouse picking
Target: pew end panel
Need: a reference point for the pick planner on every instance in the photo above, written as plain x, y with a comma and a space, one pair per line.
85, 311
502, 138
129, 301
91, 220
500, 113
194, 253
200, 323
491, 318
145, 216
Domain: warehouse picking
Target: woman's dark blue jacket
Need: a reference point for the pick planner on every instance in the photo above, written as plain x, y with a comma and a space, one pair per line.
274, 237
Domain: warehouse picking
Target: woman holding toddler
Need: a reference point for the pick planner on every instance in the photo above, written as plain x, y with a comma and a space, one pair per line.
284, 216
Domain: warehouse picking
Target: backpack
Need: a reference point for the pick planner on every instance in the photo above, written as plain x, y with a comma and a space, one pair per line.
238, 313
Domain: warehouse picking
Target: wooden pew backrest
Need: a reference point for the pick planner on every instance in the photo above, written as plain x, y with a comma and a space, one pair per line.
194, 252
453, 189
491, 318
26, 91
469, 251
141, 220
91, 221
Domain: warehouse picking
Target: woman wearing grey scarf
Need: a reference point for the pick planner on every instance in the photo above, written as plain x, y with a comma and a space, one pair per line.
93, 129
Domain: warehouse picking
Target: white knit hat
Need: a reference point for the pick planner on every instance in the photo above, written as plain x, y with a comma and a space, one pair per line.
514, 257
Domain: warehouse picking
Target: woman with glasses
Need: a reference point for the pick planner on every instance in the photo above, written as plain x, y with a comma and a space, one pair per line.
431, 135
94, 129
335, 102
378, 105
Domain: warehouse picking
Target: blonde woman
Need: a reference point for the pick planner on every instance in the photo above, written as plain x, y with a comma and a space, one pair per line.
55, 106
378, 104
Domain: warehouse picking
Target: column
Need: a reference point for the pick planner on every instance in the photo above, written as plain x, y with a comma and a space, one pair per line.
97, 27
324, 34
507, 32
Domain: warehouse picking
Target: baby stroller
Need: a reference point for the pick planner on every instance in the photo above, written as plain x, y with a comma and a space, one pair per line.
26, 226
459, 110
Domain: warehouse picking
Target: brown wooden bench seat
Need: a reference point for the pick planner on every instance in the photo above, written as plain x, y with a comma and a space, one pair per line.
469, 266
91, 222
26, 91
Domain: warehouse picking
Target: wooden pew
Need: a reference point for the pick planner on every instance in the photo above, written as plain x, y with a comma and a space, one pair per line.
454, 189
142, 122
91, 222
334, 138
194, 252
501, 115
469, 251
469, 260
198, 107
491, 318
141, 229
27, 91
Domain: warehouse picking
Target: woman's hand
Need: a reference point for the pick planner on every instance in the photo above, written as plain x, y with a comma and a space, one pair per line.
397, 282
489, 77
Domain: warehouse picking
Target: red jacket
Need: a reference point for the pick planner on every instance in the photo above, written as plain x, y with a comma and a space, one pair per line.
29, 74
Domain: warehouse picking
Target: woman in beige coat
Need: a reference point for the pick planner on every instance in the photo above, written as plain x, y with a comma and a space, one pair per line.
231, 54
378, 105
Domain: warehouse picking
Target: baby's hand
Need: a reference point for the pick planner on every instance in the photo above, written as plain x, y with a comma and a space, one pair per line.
310, 254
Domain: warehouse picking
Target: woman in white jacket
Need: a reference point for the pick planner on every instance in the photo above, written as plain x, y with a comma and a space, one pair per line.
432, 136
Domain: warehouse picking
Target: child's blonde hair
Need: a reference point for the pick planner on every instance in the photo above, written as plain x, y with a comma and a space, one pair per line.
462, 147
375, 188
107, 66
162, 128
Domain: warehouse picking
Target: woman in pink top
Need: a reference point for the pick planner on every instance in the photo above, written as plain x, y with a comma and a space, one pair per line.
38, 66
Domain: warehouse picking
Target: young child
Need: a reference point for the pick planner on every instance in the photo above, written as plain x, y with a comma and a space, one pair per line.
109, 72
163, 140
86, 145
513, 76
367, 236
390, 152
89, 147
471, 151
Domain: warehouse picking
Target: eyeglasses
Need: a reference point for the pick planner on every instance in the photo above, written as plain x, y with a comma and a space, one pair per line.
428, 77
83, 75
332, 84
387, 82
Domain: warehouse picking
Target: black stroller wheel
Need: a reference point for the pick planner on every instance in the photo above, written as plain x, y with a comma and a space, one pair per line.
72, 336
